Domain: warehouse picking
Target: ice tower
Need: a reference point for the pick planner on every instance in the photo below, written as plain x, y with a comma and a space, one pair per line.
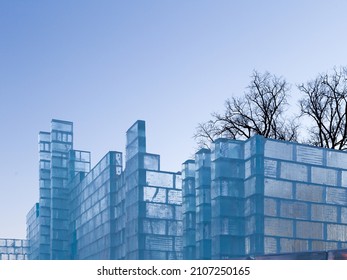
109, 212
271, 197
153, 206
237, 200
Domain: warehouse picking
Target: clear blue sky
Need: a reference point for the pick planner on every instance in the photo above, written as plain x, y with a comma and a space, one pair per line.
105, 64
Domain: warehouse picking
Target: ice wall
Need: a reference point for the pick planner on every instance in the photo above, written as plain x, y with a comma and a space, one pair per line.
13, 249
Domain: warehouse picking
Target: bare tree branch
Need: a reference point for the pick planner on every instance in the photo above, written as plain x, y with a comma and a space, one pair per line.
324, 101
260, 112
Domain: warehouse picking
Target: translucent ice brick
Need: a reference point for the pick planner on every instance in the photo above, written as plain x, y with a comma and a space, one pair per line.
154, 194
337, 232
270, 207
270, 168
306, 154
154, 226
159, 211
294, 210
278, 188
151, 162
337, 159
309, 230
175, 197
294, 171
270, 245
162, 243
336, 196
324, 176
159, 179
278, 227
324, 213
278, 150
309, 192
293, 245
344, 215
227, 149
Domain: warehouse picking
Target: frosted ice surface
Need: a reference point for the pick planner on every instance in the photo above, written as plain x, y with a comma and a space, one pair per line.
132, 133
278, 150
61, 125
151, 162
159, 243
231, 226
324, 176
203, 159
250, 187
178, 181
312, 193
310, 230
278, 227
175, 197
294, 210
248, 170
188, 169
249, 148
159, 179
188, 186
227, 149
344, 215
344, 179
294, 171
270, 207
323, 246
336, 196
270, 245
337, 159
189, 203
154, 194
293, 245
278, 188
337, 232
325, 213
270, 168
203, 196
310, 155
132, 150
154, 226
159, 211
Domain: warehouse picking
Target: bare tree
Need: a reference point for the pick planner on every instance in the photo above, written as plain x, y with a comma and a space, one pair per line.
261, 111
324, 102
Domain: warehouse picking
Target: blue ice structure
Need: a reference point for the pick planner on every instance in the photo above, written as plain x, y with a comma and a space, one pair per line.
189, 210
203, 204
14, 249
108, 212
269, 197
259, 198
